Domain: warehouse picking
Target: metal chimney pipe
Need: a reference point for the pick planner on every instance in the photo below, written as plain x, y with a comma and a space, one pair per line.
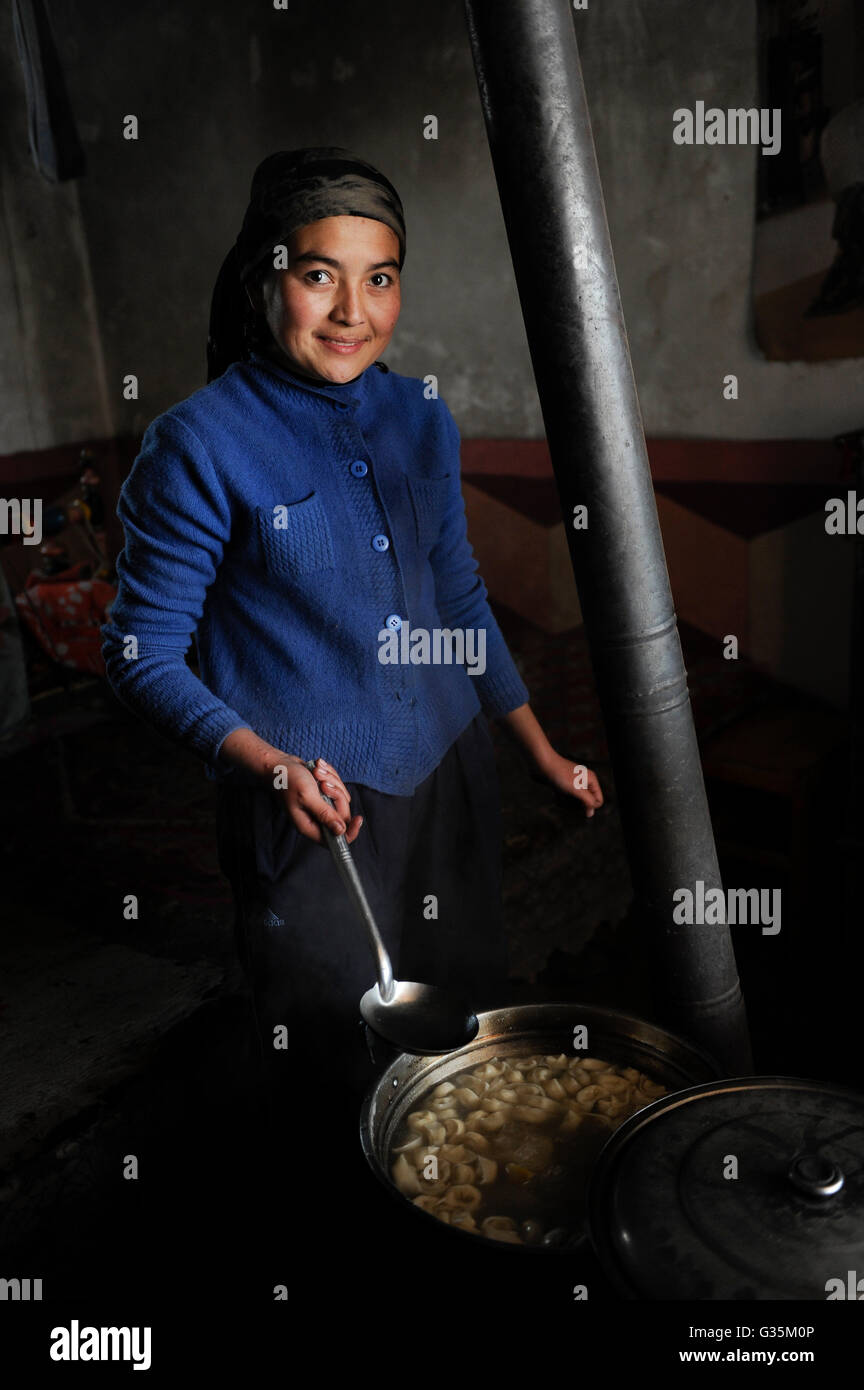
533, 100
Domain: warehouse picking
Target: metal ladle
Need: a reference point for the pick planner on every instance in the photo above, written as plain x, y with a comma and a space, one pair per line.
413, 1017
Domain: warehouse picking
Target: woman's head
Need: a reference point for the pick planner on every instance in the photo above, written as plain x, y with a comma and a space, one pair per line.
318, 258
331, 309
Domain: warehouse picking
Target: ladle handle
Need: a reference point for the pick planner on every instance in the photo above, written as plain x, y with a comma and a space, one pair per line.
350, 877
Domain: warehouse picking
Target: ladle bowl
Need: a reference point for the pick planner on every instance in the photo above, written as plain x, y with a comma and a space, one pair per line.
417, 1018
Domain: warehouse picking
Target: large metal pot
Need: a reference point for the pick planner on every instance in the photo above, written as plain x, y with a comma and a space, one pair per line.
530, 1028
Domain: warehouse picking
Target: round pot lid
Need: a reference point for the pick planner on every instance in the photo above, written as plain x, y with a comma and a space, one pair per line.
750, 1188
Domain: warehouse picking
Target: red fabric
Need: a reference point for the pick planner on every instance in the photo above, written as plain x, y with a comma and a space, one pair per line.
64, 613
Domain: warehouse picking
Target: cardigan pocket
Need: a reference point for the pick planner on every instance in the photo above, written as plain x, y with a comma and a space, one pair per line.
429, 498
296, 536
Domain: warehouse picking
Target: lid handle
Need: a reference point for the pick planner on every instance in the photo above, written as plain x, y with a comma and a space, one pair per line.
816, 1175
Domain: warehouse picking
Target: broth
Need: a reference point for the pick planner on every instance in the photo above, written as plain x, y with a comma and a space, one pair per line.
505, 1149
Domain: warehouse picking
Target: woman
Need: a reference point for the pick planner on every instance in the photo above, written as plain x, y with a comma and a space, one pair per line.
302, 514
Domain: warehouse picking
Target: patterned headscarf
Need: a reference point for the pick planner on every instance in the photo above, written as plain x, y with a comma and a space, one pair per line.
289, 190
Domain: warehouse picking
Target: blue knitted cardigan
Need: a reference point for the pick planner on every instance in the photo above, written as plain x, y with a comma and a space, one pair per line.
284, 525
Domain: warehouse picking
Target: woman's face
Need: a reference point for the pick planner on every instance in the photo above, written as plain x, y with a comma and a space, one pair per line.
333, 311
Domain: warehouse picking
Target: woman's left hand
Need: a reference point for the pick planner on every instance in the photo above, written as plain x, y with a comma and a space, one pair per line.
575, 779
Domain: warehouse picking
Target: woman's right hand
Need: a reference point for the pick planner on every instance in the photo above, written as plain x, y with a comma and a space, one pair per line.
295, 784
301, 792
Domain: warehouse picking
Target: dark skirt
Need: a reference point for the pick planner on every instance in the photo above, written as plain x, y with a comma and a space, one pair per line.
430, 864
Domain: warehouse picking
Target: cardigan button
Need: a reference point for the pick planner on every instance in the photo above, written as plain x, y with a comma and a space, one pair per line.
359, 468
393, 621
380, 543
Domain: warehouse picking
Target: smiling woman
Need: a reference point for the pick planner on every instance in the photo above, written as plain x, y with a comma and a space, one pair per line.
321, 224
307, 499
332, 310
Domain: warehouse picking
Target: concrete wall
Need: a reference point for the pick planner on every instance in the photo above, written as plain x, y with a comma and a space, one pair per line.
113, 275
52, 385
